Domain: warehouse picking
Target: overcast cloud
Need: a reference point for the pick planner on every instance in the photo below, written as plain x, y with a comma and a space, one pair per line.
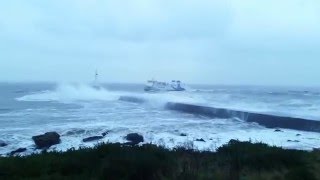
263, 42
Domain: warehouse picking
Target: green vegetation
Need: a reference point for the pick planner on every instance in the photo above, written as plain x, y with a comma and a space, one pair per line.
236, 160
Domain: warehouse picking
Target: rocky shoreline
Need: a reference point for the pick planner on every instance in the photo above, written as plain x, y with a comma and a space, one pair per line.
234, 160
43, 142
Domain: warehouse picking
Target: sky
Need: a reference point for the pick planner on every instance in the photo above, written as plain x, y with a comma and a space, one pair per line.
236, 42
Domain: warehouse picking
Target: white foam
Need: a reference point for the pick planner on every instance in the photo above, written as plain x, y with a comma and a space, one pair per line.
72, 92
166, 132
157, 126
67, 93
170, 140
300, 107
160, 99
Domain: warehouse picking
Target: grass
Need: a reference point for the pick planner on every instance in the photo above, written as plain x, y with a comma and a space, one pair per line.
235, 160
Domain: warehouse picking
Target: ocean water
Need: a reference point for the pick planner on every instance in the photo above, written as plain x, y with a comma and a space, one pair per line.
77, 111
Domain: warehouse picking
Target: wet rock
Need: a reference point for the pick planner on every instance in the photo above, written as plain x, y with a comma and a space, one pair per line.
200, 140
74, 132
134, 138
3, 144
93, 138
298, 135
20, 150
46, 140
183, 134
131, 99
296, 141
278, 130
105, 133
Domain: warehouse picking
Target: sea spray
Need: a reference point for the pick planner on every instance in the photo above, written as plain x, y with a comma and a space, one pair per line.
72, 92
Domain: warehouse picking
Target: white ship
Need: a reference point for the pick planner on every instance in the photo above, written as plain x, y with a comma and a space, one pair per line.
153, 85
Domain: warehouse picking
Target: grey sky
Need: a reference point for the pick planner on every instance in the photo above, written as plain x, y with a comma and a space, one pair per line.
268, 42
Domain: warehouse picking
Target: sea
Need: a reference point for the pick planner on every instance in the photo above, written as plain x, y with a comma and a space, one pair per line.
77, 111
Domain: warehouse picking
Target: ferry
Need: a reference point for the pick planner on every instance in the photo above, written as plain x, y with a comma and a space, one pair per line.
153, 85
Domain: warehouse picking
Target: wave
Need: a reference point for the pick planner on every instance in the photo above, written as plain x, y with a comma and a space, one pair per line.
72, 92
2, 110
183, 102
267, 120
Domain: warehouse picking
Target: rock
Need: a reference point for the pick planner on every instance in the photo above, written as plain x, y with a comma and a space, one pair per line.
183, 134
74, 132
296, 141
20, 150
46, 140
93, 138
134, 138
105, 133
200, 140
278, 130
298, 135
3, 144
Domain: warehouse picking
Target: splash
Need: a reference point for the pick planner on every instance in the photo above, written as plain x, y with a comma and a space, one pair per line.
72, 92
69, 93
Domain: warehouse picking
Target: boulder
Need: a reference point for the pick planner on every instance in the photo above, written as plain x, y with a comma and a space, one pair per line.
278, 130
46, 140
74, 132
200, 140
93, 138
105, 133
20, 150
3, 144
296, 141
183, 134
134, 138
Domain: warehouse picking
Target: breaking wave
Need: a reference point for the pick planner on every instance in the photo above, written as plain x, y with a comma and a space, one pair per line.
69, 93
267, 120
296, 112
72, 92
